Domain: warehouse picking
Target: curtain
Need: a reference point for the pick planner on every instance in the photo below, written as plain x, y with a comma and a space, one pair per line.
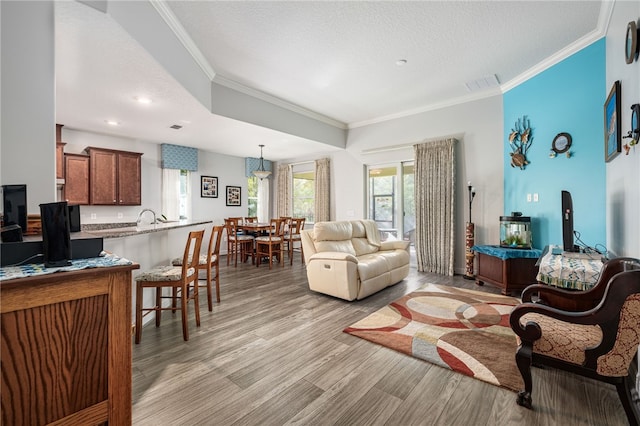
435, 205
283, 207
263, 200
321, 208
171, 193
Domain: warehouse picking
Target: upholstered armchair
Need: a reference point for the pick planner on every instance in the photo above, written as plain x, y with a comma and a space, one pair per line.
600, 342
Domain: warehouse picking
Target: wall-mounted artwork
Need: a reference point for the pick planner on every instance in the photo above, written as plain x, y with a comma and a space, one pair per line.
233, 196
612, 127
208, 187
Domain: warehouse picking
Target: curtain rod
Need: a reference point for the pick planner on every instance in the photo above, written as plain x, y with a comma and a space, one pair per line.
408, 145
301, 162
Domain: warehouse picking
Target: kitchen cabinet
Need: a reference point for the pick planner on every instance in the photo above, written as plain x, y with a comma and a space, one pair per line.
114, 177
60, 160
59, 152
76, 187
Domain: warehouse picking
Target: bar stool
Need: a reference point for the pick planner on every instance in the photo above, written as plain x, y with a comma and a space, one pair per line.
208, 261
180, 279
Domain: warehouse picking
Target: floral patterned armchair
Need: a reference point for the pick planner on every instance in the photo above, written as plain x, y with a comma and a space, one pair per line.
600, 342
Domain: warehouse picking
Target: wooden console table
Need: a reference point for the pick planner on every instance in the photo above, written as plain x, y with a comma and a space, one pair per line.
510, 269
66, 347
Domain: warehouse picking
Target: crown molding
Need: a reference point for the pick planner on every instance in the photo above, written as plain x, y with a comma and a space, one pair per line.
431, 107
250, 91
174, 24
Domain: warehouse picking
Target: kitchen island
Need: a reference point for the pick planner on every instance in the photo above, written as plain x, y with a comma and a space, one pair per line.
66, 343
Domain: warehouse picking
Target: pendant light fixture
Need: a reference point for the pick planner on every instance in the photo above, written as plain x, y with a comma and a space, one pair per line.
261, 173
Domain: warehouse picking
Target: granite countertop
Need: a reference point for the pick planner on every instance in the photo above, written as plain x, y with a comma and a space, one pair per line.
117, 230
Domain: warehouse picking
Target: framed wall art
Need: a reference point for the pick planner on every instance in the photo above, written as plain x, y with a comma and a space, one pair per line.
208, 187
612, 126
233, 195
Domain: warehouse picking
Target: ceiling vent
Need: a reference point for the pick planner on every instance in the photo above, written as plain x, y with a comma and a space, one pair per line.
482, 83
176, 127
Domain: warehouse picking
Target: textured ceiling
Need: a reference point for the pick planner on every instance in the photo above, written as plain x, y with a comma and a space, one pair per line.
337, 59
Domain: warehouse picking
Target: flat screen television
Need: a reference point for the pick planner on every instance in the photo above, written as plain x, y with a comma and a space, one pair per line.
567, 223
14, 198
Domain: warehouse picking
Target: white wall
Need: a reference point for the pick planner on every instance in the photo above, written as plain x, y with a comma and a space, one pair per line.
623, 172
27, 85
478, 127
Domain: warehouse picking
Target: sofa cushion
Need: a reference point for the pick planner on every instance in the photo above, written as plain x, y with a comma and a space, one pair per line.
371, 265
395, 258
333, 236
332, 231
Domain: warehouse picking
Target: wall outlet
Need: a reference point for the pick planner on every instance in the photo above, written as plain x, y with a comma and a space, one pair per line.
528, 198
120, 216
535, 197
94, 216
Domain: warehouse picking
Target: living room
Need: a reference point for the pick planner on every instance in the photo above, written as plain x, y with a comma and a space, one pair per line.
566, 96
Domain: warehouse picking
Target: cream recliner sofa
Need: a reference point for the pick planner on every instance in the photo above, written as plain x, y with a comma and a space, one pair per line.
346, 259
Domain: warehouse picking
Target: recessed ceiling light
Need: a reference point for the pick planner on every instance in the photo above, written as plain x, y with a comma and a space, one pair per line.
401, 62
142, 100
112, 122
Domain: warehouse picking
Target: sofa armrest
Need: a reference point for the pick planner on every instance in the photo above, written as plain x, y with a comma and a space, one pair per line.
395, 245
333, 255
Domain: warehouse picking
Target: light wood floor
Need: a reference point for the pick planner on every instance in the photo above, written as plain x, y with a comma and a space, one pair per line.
273, 353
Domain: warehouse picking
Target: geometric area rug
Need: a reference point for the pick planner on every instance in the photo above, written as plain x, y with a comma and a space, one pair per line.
463, 330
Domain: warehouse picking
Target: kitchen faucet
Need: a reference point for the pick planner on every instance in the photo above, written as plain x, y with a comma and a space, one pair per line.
146, 210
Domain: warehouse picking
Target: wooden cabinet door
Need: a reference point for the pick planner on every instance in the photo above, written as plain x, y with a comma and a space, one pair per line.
76, 186
60, 160
103, 178
129, 178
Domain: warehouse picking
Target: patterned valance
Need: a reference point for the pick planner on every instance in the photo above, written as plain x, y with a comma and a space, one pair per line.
251, 164
179, 157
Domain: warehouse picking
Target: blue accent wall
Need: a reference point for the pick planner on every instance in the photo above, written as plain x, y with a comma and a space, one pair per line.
567, 97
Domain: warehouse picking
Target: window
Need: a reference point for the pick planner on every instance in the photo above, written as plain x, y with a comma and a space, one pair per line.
185, 191
304, 195
252, 196
176, 194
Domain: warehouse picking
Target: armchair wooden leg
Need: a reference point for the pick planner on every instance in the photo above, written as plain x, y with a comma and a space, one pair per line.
523, 360
624, 392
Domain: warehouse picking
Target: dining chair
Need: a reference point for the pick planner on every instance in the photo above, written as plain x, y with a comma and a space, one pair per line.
238, 244
209, 262
272, 244
292, 236
183, 281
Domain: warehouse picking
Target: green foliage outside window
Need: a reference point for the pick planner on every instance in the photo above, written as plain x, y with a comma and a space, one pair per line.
304, 195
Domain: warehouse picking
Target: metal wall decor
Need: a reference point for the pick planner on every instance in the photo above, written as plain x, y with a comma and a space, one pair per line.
560, 145
634, 133
520, 140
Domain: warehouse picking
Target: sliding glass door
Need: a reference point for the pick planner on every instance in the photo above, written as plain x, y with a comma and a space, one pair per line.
390, 199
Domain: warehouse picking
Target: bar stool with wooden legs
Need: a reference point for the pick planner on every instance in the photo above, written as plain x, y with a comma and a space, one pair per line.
182, 280
271, 244
208, 261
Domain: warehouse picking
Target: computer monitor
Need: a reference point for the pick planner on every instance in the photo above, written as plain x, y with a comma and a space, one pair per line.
567, 223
